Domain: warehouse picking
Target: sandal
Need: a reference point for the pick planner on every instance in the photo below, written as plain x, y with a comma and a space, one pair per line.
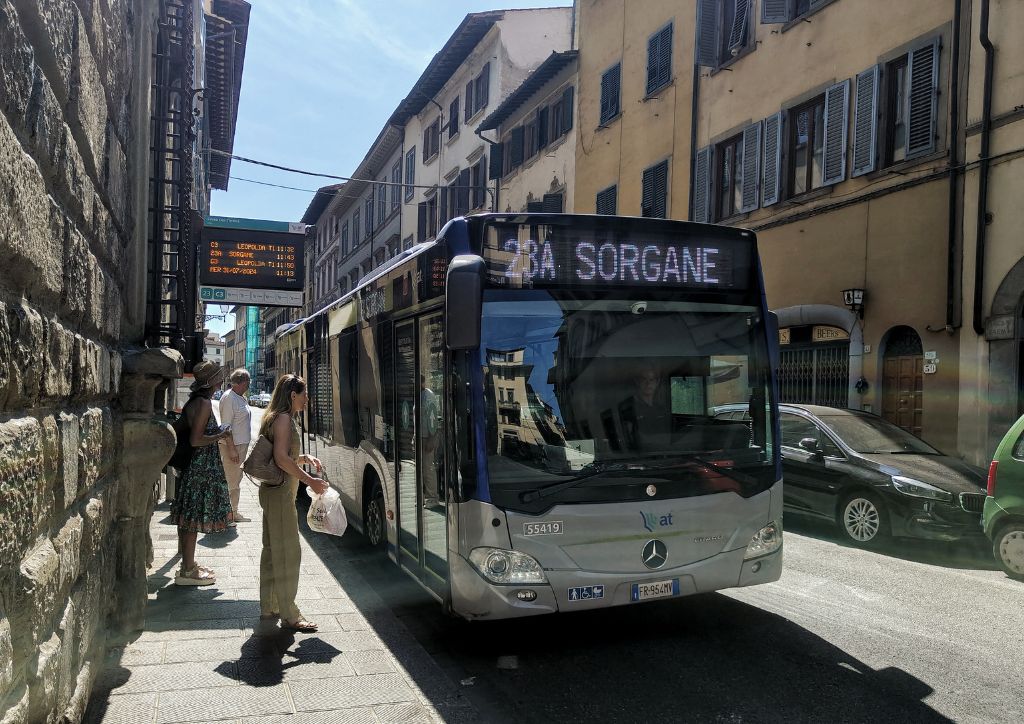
300, 625
196, 576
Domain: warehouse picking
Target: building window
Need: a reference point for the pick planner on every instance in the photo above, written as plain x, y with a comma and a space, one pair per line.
659, 59
432, 211
610, 93
530, 139
478, 180
396, 188
431, 140
723, 30
654, 193
513, 149
369, 214
410, 173
344, 239
783, 11
453, 118
806, 147
382, 200
561, 115
729, 177
356, 237
608, 200
407, 242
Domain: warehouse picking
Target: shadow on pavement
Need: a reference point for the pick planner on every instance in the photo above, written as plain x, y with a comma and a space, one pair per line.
973, 553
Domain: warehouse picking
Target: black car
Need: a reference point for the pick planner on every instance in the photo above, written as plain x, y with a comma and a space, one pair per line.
871, 477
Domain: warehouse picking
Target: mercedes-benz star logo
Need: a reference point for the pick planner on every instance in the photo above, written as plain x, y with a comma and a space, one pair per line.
654, 554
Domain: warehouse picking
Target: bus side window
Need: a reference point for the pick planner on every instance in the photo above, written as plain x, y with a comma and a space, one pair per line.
347, 388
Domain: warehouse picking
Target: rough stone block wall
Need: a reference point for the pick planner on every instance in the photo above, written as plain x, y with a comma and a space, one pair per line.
68, 499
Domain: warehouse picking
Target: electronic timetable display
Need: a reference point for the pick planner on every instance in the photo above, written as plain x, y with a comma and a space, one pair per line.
539, 255
251, 258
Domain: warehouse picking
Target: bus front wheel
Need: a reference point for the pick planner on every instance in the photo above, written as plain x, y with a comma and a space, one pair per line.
376, 528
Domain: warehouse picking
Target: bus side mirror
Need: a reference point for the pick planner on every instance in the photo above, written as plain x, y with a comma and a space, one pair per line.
463, 304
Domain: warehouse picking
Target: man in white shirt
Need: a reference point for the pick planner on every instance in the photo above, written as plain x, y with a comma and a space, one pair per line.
234, 411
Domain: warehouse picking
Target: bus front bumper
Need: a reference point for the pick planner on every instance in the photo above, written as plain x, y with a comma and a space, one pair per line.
473, 597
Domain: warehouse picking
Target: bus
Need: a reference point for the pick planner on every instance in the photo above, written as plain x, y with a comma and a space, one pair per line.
521, 413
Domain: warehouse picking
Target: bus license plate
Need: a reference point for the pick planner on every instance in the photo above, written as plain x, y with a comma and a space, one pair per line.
655, 589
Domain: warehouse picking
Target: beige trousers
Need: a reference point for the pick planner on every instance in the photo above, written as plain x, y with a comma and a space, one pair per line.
233, 471
279, 562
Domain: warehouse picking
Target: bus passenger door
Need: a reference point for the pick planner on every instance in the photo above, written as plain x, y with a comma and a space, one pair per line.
419, 450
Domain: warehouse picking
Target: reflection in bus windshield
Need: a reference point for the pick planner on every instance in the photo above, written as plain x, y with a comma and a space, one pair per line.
569, 383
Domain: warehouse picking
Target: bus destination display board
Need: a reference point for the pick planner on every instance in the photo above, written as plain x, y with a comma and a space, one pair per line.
520, 256
253, 258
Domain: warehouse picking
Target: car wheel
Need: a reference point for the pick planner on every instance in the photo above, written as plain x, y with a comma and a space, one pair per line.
1008, 549
863, 519
376, 528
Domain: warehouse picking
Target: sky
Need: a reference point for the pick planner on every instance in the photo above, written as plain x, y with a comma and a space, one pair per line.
321, 77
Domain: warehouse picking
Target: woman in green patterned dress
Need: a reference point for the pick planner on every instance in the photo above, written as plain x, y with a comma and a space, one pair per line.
202, 502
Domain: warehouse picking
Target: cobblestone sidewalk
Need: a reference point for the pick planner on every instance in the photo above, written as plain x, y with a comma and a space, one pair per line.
199, 660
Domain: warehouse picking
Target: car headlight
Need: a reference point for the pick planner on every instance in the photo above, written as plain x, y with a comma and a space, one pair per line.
919, 489
502, 566
765, 541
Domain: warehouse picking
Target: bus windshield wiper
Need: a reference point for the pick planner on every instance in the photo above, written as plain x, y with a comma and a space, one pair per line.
528, 496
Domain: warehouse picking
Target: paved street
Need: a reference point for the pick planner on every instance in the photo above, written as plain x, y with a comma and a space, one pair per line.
933, 634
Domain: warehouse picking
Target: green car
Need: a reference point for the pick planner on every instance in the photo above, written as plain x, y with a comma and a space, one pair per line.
1004, 506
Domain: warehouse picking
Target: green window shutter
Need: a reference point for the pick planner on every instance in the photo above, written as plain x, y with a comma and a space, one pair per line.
421, 221
706, 47
665, 69
567, 109
542, 128
469, 101
516, 141
923, 72
534, 207
775, 11
865, 122
654, 192
751, 167
740, 19
837, 103
610, 89
497, 161
553, 203
607, 200
771, 159
702, 184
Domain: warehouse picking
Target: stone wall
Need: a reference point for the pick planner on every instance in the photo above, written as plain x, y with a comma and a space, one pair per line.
80, 442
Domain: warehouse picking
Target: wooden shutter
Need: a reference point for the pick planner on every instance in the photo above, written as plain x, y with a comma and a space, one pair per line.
483, 86
497, 159
751, 167
865, 122
702, 184
516, 150
426, 144
654, 194
741, 15
610, 88
923, 72
775, 11
607, 200
534, 207
707, 33
837, 101
469, 101
553, 203
421, 221
567, 96
771, 160
462, 195
453, 118
659, 59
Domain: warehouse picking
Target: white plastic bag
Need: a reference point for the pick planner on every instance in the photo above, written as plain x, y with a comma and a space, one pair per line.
326, 513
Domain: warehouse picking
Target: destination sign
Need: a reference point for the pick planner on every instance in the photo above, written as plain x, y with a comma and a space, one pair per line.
251, 258
564, 257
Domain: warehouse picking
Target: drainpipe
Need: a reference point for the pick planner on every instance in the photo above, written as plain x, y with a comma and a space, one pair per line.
986, 133
952, 311
494, 193
694, 108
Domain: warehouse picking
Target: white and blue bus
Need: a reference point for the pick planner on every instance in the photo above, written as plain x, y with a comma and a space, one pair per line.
521, 413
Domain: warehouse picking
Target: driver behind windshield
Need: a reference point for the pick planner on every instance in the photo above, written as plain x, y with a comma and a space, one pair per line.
646, 415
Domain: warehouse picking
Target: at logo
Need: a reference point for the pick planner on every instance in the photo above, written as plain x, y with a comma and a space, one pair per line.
652, 521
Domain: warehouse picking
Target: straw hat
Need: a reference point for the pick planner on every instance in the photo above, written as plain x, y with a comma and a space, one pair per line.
207, 374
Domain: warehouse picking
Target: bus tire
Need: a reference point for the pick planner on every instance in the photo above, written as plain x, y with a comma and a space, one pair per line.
374, 517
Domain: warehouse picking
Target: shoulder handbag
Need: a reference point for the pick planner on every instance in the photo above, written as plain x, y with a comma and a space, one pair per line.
260, 465
183, 446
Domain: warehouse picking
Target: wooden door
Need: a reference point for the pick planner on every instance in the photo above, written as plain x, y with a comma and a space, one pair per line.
902, 391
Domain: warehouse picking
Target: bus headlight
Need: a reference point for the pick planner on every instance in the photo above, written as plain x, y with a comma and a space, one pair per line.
765, 541
502, 566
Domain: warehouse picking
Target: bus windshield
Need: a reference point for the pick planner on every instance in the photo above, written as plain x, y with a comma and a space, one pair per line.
614, 392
